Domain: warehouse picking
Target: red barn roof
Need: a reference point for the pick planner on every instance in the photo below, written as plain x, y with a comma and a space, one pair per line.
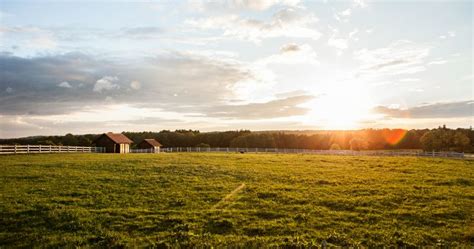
118, 138
152, 142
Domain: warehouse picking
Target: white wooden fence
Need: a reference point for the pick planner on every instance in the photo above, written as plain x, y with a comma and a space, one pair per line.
320, 152
18, 149
144, 151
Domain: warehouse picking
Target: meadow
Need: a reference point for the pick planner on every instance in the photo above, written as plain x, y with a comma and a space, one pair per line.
234, 200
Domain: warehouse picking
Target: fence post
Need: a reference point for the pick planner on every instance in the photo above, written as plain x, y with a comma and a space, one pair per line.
15, 149
28, 148
50, 149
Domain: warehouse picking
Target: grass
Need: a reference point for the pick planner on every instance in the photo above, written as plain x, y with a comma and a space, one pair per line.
234, 200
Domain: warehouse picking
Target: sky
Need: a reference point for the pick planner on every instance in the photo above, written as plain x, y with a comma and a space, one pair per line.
96, 66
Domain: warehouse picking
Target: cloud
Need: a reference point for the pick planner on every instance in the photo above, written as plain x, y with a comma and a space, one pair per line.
175, 81
434, 110
135, 85
449, 34
346, 12
278, 108
400, 57
343, 16
106, 83
30, 36
146, 32
409, 80
256, 5
337, 42
291, 47
287, 22
64, 84
292, 53
437, 62
360, 3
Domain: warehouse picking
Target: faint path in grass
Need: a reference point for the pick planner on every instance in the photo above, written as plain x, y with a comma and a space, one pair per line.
227, 198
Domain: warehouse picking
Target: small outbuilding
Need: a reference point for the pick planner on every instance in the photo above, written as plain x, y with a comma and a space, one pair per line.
114, 142
150, 144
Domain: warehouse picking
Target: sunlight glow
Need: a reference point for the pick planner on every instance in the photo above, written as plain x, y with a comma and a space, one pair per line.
394, 136
343, 106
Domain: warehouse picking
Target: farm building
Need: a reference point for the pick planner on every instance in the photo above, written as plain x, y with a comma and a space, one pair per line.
114, 142
150, 144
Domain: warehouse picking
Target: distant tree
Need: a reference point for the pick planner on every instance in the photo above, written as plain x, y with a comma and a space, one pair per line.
70, 140
83, 141
335, 147
46, 142
461, 141
358, 144
203, 145
432, 140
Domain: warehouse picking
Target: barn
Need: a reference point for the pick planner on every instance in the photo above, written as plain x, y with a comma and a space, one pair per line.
114, 142
150, 144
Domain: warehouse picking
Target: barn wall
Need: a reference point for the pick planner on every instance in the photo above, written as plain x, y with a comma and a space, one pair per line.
109, 145
144, 145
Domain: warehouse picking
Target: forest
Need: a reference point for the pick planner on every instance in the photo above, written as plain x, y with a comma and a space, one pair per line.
439, 139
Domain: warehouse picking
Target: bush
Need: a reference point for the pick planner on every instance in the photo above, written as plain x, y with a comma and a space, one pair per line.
203, 145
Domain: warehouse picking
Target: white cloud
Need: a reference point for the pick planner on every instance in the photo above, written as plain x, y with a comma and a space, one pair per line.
353, 33
416, 89
43, 42
343, 16
346, 12
400, 57
9, 90
287, 22
64, 84
338, 42
292, 53
409, 80
135, 85
360, 3
257, 5
106, 83
437, 62
449, 34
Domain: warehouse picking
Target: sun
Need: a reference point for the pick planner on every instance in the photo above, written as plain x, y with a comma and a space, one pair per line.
345, 106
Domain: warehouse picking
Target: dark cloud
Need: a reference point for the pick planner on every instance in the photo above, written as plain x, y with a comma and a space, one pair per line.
141, 32
273, 109
18, 126
170, 80
291, 47
389, 64
436, 110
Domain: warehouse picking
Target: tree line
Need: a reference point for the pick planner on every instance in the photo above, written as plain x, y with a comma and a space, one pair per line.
440, 139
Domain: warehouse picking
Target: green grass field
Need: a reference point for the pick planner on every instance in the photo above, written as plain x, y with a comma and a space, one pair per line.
234, 200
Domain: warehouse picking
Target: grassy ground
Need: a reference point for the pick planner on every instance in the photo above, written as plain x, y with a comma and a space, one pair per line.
242, 200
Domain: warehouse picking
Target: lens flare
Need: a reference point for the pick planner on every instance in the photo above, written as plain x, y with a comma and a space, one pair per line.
393, 137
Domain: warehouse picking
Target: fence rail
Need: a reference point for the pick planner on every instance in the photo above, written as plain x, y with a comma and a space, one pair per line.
319, 152
144, 151
22, 149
